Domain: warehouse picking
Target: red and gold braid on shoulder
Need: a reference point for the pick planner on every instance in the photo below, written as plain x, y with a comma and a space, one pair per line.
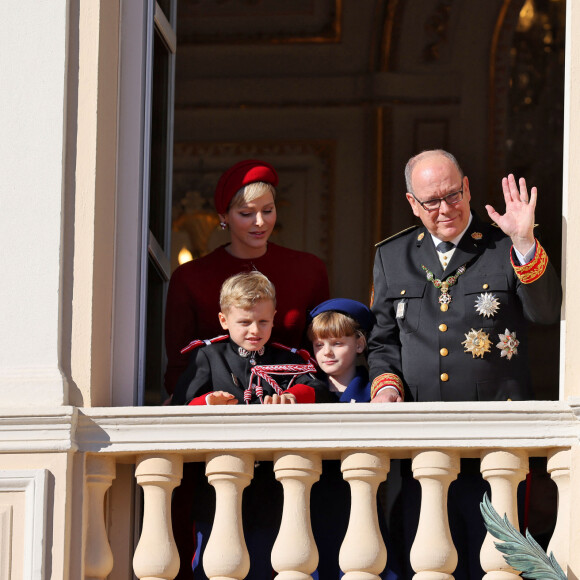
387, 380
534, 269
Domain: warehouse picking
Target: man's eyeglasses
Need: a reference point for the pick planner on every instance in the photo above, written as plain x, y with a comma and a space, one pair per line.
433, 204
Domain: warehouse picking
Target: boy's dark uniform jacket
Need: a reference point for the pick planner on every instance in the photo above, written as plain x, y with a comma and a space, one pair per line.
219, 367
421, 345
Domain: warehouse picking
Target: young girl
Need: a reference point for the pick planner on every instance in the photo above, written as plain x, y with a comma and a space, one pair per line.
338, 333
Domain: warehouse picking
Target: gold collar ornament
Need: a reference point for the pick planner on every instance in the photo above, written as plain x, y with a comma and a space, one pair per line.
477, 343
508, 344
477, 235
444, 285
487, 304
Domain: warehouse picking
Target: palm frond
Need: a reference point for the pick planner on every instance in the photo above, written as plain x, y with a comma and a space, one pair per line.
522, 553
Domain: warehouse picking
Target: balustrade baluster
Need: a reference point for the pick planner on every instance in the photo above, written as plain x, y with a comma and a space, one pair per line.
295, 555
559, 463
363, 554
433, 555
98, 555
226, 555
156, 556
504, 470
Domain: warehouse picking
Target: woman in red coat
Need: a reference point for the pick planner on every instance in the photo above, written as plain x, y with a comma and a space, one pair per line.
245, 202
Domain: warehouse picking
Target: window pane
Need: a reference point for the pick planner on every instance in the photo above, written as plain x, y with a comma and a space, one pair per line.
159, 145
154, 362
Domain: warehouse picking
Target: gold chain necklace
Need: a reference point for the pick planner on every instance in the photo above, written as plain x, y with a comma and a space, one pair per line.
444, 285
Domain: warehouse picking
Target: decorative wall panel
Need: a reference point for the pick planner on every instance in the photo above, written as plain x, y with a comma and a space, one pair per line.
23, 523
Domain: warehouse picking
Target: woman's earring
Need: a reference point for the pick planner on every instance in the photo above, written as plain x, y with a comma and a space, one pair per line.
223, 225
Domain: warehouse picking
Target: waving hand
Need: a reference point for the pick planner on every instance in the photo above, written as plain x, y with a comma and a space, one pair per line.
518, 220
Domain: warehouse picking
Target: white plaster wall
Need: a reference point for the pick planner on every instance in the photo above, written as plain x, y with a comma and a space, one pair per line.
32, 102
570, 337
570, 369
45, 548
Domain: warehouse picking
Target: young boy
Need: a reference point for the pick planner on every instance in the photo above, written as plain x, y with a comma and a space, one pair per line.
243, 366
338, 333
239, 367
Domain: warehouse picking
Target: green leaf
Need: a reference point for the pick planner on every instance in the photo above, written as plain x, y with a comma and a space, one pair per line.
522, 553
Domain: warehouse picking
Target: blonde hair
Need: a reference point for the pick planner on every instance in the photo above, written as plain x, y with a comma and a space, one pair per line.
251, 192
332, 324
245, 290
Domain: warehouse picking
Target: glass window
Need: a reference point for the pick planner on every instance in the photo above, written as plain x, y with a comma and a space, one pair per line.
159, 199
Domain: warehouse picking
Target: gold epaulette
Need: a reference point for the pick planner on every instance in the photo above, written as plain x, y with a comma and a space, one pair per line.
397, 235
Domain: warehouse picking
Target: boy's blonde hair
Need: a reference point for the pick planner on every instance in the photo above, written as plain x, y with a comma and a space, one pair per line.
332, 324
250, 192
245, 290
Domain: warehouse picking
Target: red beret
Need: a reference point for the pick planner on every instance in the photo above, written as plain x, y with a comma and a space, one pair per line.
240, 174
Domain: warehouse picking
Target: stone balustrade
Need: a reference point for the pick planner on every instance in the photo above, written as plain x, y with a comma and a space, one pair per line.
366, 438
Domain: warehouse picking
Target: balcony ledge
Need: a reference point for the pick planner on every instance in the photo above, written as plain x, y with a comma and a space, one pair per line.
129, 431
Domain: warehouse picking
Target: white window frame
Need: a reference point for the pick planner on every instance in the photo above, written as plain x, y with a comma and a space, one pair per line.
132, 243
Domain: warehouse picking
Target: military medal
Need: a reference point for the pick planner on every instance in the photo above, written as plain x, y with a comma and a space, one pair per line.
444, 297
508, 344
477, 343
487, 304
444, 285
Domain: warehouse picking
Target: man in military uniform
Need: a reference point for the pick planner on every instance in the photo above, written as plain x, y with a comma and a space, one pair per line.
453, 300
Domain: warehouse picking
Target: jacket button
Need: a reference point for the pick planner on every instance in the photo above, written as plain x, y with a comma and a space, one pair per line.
443, 327
444, 377
443, 352
485, 286
403, 292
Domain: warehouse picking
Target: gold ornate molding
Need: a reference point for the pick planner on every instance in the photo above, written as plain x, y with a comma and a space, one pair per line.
259, 22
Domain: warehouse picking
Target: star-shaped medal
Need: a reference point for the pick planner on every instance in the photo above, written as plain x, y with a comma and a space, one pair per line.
508, 344
477, 343
487, 304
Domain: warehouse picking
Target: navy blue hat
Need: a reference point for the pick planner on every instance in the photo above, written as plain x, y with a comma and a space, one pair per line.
351, 308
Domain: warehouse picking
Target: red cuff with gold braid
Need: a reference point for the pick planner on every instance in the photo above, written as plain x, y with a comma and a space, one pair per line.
534, 269
387, 380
